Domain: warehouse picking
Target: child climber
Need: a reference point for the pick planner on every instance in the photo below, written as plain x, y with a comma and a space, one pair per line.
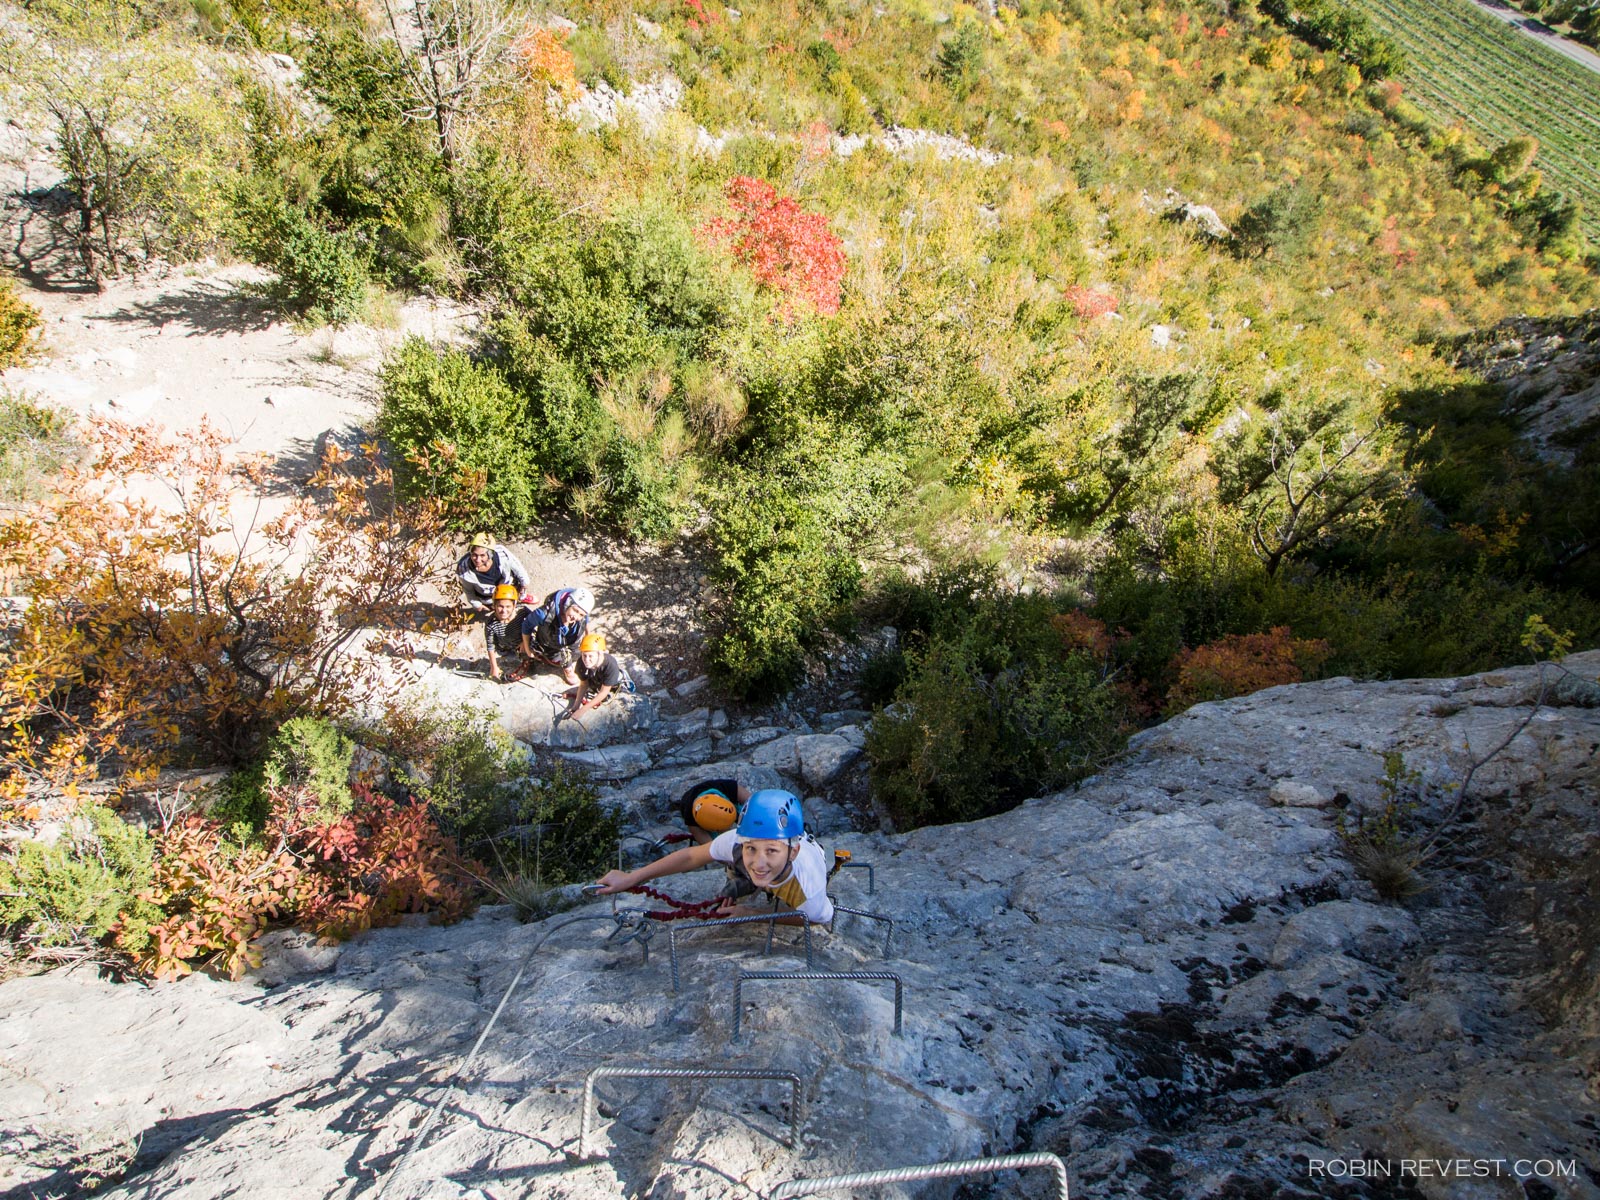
502, 633
768, 847
711, 806
599, 674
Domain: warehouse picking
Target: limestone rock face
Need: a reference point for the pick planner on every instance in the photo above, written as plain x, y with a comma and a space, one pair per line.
611, 762
1298, 795
1204, 218
823, 756
1169, 976
1366, 931
1551, 369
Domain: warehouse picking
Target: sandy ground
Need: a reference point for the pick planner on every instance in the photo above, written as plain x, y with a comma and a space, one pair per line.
175, 347
200, 344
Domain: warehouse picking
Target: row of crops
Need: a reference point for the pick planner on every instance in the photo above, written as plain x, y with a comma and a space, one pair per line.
1465, 66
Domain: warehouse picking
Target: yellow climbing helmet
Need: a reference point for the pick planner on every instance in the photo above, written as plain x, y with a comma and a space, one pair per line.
506, 591
481, 541
713, 811
593, 643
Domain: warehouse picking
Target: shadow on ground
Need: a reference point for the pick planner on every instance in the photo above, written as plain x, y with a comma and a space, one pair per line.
205, 308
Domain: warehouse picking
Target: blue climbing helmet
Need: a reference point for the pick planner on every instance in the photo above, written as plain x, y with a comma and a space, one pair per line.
771, 813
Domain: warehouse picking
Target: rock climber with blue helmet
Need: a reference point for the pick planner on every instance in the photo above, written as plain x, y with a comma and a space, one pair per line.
768, 847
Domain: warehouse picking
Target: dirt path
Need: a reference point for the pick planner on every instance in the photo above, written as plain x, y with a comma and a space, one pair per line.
202, 345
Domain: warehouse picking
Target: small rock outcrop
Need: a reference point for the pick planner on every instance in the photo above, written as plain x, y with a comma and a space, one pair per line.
1171, 976
1550, 367
1202, 219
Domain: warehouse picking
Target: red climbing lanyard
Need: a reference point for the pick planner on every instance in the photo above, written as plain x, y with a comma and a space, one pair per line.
681, 909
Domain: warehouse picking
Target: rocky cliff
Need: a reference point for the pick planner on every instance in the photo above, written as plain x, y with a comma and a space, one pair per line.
1550, 367
1170, 976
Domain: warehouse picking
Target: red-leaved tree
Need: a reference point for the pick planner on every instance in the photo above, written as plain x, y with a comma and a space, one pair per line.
792, 251
211, 895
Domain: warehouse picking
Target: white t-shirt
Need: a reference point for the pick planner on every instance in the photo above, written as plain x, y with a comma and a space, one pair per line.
804, 886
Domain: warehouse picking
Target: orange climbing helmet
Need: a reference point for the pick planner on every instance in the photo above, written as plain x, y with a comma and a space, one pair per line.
506, 591
593, 643
713, 811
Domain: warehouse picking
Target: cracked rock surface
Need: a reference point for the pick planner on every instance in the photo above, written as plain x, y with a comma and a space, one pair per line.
1170, 976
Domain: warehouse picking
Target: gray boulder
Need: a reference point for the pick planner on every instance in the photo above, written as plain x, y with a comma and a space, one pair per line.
822, 757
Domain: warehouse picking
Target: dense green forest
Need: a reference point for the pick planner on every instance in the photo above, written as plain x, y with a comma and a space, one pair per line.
1105, 348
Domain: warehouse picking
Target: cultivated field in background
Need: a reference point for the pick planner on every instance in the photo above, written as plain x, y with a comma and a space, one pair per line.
1464, 66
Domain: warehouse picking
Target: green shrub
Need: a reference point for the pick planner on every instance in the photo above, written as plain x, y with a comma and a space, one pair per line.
882, 676
322, 273
1384, 846
1205, 583
780, 575
960, 58
310, 754
504, 225
19, 325
1555, 224
643, 488
564, 422
371, 171
459, 763
826, 58
786, 540
70, 894
622, 295
240, 803
306, 755
994, 709
1403, 600
34, 443
568, 836
1280, 223
433, 397
529, 424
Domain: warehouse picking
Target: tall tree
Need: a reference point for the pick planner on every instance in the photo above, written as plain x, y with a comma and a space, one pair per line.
458, 50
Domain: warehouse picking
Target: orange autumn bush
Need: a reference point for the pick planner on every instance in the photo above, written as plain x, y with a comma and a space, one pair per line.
1239, 664
161, 617
541, 55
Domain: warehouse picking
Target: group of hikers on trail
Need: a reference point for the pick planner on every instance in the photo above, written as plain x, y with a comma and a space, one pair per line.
522, 636
760, 837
